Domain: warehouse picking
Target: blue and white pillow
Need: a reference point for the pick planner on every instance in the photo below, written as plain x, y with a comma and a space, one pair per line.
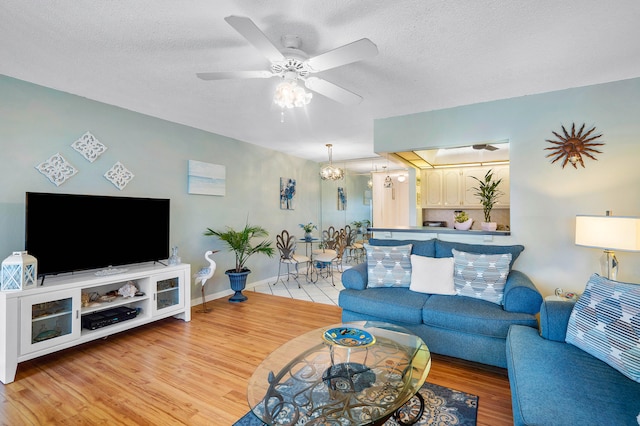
388, 266
481, 276
605, 323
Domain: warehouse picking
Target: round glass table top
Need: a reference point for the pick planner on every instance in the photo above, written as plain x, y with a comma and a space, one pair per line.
354, 373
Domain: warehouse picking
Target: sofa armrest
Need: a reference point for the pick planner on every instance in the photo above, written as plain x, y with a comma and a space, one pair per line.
520, 294
554, 317
356, 277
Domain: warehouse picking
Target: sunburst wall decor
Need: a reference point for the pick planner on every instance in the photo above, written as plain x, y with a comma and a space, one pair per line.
573, 146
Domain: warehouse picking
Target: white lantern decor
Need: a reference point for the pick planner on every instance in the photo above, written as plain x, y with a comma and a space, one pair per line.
19, 271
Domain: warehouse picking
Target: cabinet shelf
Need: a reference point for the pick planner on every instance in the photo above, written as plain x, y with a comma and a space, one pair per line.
49, 316
117, 302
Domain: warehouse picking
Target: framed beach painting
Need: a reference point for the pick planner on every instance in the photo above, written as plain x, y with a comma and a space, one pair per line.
206, 178
342, 198
287, 193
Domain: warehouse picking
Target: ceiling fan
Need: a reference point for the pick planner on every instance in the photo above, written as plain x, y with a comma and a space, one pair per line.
294, 65
485, 146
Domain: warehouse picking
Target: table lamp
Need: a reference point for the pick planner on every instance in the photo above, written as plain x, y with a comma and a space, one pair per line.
609, 233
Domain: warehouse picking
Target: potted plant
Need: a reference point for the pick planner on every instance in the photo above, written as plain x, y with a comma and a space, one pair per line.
462, 221
361, 225
308, 229
239, 242
488, 192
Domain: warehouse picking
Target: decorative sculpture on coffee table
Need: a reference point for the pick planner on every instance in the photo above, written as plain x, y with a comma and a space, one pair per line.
573, 146
203, 275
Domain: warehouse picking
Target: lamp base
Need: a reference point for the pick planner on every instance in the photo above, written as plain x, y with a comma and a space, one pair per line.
609, 264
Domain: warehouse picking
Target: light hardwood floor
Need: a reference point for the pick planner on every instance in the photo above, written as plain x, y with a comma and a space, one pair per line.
174, 373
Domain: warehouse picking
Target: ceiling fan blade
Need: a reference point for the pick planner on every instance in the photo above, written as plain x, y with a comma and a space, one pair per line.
332, 91
491, 148
230, 75
252, 33
352, 52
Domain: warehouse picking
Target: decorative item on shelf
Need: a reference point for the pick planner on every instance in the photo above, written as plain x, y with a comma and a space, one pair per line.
573, 146
174, 259
128, 290
203, 275
462, 221
308, 229
19, 271
609, 233
331, 172
488, 192
239, 242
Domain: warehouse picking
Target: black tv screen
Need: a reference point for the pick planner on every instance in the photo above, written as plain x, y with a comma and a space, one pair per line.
67, 232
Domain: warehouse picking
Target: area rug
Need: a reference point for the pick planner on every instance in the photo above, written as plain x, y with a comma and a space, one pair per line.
443, 406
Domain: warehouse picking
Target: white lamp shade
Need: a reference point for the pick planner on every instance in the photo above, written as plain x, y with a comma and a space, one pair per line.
608, 232
19, 271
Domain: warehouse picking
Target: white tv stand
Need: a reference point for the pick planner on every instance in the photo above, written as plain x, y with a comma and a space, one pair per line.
48, 317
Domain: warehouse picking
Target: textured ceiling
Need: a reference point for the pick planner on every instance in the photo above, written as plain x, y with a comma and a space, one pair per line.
143, 56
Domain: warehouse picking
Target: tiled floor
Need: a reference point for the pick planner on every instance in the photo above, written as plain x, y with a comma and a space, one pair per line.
321, 291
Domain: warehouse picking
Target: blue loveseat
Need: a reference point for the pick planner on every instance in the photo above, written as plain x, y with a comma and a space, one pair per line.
458, 326
555, 383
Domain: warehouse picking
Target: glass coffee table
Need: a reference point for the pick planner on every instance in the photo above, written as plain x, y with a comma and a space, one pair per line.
355, 373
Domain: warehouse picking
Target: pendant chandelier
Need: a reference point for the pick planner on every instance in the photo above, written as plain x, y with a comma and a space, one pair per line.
330, 172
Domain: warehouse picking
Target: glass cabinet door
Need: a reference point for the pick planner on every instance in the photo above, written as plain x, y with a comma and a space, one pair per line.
51, 319
168, 293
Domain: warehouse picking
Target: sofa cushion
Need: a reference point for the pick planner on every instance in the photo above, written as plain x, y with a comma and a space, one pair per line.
443, 249
472, 316
419, 247
431, 275
391, 304
481, 276
388, 266
605, 322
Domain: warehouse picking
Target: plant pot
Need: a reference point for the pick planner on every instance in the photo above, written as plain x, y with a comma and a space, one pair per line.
463, 226
238, 281
308, 236
488, 226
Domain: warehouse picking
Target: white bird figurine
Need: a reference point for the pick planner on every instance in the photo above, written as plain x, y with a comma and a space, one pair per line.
203, 275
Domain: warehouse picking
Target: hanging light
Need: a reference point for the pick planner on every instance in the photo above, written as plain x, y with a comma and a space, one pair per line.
288, 95
329, 172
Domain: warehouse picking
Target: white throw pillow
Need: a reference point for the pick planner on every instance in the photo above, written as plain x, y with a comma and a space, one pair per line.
431, 275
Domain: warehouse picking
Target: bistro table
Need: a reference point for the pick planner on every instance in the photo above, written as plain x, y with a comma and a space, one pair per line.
355, 373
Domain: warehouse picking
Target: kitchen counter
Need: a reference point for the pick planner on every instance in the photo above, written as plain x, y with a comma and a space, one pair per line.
443, 233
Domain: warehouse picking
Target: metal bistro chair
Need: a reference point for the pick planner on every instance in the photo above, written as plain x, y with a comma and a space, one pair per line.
287, 247
326, 261
353, 249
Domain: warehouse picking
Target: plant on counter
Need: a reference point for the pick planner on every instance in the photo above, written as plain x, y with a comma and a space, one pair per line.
488, 192
461, 217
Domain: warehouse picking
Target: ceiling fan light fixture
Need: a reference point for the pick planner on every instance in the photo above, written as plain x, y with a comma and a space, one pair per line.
330, 172
289, 95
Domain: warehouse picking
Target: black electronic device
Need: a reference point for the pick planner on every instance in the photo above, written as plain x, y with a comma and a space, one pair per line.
70, 232
108, 317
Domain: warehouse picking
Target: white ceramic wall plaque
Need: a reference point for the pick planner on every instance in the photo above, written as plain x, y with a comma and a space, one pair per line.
57, 169
119, 175
90, 147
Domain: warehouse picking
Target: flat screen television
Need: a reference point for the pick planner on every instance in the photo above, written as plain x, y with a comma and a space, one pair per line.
67, 232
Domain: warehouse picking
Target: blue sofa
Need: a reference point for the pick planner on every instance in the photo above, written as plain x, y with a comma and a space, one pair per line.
556, 383
458, 326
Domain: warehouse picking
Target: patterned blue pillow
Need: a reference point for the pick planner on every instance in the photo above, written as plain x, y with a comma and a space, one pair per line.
605, 323
481, 276
388, 266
